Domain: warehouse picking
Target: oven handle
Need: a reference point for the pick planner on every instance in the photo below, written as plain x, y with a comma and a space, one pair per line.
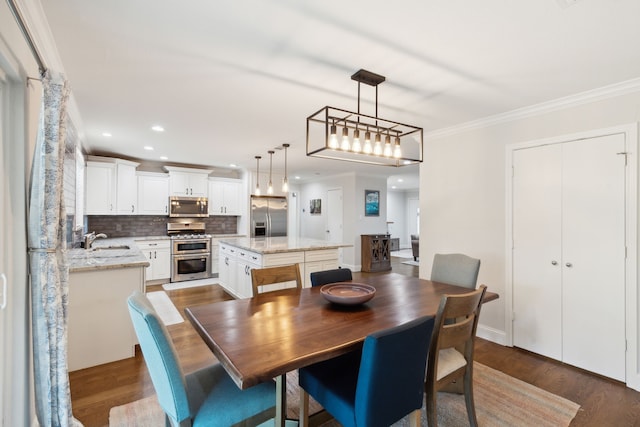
191, 255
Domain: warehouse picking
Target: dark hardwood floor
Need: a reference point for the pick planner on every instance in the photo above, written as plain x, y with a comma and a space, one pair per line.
603, 402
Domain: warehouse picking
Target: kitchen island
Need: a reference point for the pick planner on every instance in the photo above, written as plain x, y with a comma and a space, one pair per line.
100, 281
238, 256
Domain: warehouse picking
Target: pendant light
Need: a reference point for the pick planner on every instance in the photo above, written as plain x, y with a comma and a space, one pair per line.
285, 181
258, 175
270, 186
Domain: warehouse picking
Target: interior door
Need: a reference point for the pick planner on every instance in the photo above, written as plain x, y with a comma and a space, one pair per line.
334, 215
593, 245
537, 297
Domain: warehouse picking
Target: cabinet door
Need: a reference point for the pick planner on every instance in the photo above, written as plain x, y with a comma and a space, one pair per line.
231, 197
100, 188
126, 189
243, 279
153, 195
537, 258
162, 263
198, 184
179, 183
216, 198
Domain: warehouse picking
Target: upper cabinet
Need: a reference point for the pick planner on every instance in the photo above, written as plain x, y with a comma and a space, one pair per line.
188, 182
153, 193
225, 196
109, 189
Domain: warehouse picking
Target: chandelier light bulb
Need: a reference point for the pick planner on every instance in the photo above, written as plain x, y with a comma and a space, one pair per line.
367, 149
356, 147
285, 185
397, 152
333, 138
387, 146
377, 147
345, 139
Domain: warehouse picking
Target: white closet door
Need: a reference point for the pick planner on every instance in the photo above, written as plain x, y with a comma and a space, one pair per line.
537, 299
593, 242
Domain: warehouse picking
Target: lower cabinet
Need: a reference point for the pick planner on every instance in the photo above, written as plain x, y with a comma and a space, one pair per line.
99, 327
158, 253
235, 265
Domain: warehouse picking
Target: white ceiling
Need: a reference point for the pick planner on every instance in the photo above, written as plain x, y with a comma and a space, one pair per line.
229, 79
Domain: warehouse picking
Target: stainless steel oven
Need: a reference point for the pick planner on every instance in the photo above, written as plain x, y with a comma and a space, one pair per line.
190, 251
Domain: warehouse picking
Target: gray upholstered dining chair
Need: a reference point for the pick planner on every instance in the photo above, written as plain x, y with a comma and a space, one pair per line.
207, 397
319, 278
455, 269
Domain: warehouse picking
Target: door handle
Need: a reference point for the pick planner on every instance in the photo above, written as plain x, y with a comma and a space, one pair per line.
4, 291
554, 262
133, 208
569, 265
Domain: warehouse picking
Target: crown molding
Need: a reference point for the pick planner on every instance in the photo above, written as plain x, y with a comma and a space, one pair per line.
605, 92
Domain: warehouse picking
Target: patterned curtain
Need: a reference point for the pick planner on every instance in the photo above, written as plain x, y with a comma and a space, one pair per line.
47, 260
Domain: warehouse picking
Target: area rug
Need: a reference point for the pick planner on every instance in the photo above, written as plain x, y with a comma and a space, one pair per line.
412, 262
501, 401
167, 312
189, 284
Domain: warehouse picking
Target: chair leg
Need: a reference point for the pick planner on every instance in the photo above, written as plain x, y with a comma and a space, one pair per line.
468, 398
432, 415
304, 408
414, 418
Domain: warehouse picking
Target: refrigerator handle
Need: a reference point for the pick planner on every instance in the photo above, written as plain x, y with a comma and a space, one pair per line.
268, 233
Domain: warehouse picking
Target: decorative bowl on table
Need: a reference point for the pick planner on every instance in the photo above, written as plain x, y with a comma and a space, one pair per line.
348, 293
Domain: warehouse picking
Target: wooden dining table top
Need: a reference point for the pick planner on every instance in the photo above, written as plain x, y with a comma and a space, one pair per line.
260, 338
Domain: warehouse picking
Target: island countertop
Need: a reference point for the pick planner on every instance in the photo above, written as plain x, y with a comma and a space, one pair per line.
272, 245
98, 258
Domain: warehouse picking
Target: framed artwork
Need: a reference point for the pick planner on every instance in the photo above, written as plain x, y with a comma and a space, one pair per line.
371, 203
315, 206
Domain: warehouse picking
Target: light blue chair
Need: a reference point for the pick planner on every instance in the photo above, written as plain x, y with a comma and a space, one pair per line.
455, 269
378, 385
207, 397
319, 278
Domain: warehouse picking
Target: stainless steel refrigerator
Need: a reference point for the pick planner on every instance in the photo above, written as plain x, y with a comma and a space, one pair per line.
268, 216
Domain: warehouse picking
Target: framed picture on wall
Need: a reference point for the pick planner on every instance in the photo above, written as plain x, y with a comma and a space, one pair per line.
371, 203
315, 206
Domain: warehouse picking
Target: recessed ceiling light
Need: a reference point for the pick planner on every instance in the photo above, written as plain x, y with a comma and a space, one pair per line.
157, 128
164, 158
297, 177
107, 134
148, 148
393, 187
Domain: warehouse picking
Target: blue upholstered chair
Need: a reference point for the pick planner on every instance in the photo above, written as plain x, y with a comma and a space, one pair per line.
455, 269
378, 385
207, 397
319, 278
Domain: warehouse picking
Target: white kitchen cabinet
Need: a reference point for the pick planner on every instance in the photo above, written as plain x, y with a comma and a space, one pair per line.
225, 196
318, 261
126, 188
99, 327
188, 182
215, 256
111, 186
158, 253
569, 252
153, 193
100, 188
227, 268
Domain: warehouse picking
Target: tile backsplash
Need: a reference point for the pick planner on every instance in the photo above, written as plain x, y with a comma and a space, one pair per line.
150, 225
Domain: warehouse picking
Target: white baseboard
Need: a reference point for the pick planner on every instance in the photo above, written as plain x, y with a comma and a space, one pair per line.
491, 334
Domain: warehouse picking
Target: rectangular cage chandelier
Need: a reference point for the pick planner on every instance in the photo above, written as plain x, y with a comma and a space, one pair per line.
334, 133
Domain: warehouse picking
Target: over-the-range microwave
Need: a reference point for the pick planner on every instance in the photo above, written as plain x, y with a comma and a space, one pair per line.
180, 206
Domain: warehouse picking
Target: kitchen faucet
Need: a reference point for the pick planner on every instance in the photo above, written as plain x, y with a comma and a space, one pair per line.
90, 237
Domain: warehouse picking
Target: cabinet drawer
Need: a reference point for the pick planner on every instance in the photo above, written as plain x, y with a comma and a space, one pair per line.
228, 250
152, 244
250, 257
321, 255
271, 260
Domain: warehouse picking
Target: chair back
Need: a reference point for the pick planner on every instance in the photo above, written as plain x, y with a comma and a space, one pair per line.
392, 370
160, 357
455, 269
319, 278
272, 275
454, 331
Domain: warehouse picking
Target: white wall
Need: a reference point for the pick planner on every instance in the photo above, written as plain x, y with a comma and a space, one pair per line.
462, 192
398, 212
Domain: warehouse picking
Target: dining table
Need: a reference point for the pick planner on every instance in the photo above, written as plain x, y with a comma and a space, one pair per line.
262, 338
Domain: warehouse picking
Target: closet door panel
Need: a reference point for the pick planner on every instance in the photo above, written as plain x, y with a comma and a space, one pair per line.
593, 242
537, 301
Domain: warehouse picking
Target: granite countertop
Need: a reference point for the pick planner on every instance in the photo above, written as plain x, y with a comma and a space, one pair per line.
98, 258
272, 245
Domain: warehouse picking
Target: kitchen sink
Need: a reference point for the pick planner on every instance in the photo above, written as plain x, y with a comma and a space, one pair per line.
111, 248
